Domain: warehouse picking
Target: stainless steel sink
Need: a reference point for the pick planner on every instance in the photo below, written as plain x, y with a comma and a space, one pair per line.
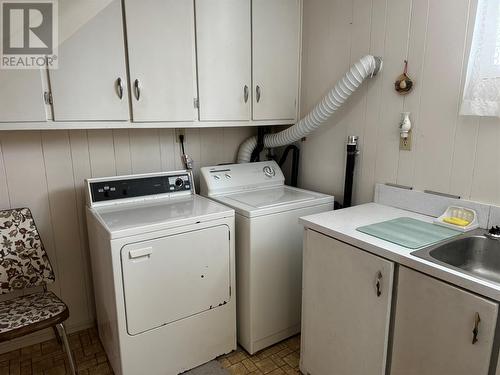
472, 253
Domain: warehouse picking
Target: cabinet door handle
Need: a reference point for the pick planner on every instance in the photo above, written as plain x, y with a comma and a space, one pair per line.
257, 93
137, 89
47, 97
475, 331
245, 93
119, 87
378, 283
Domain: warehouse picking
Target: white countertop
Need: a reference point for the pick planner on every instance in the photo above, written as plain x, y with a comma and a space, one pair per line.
342, 224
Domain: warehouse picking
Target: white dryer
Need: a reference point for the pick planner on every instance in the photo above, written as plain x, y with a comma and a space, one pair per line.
163, 270
268, 246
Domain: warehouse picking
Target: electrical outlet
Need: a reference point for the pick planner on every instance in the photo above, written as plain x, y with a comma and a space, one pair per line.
179, 132
405, 143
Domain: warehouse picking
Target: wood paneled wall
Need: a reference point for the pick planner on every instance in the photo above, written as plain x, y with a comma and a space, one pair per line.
451, 153
45, 171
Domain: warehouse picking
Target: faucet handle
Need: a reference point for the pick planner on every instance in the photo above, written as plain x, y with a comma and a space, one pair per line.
494, 232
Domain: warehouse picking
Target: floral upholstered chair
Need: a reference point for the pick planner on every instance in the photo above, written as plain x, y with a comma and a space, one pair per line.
24, 264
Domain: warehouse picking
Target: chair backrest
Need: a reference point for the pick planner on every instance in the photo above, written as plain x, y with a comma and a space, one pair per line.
23, 260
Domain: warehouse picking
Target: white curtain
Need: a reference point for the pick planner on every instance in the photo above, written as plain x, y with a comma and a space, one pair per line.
482, 86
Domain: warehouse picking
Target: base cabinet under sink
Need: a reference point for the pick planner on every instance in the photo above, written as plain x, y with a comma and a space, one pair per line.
346, 308
422, 327
434, 325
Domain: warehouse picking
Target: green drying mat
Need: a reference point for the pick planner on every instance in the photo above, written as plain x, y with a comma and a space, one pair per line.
408, 232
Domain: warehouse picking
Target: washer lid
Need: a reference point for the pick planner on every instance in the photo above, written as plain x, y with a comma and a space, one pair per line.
134, 218
267, 201
271, 197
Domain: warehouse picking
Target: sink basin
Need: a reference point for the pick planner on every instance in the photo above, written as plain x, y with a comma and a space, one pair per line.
473, 254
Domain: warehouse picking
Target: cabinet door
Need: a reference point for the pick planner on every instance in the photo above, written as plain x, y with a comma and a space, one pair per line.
433, 328
85, 87
21, 96
345, 316
224, 59
275, 39
161, 53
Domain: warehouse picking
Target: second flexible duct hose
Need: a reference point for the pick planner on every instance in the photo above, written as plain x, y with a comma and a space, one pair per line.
366, 67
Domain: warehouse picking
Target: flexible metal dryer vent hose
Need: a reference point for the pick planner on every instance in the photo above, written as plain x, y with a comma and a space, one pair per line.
366, 67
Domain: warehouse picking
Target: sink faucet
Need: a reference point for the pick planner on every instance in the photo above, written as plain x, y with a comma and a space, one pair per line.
494, 233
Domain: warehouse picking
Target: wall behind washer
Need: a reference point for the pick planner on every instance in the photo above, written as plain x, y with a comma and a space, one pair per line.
45, 170
451, 153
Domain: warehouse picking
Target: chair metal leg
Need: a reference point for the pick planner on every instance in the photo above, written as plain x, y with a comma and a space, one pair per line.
58, 337
68, 349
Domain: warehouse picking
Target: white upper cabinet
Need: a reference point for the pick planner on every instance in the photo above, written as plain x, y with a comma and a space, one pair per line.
223, 29
90, 82
178, 63
162, 62
275, 46
21, 96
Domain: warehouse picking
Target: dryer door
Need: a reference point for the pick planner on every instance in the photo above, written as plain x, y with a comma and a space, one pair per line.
174, 277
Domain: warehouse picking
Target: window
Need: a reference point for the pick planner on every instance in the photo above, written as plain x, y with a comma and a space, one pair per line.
482, 86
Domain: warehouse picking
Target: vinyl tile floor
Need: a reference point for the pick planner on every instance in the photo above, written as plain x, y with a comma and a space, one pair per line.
49, 358
279, 359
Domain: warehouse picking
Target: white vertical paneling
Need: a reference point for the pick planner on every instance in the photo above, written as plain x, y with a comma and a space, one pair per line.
168, 150
81, 170
364, 186
416, 53
45, 171
486, 181
65, 223
396, 46
211, 146
465, 142
101, 153
440, 95
145, 151
361, 31
27, 182
121, 143
327, 40
450, 153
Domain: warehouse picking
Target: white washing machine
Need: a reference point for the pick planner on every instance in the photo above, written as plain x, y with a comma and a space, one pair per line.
268, 246
163, 270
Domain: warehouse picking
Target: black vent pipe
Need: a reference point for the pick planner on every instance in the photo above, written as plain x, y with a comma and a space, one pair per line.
352, 151
261, 131
295, 162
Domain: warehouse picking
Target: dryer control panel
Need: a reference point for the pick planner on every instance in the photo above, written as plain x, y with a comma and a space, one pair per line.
154, 185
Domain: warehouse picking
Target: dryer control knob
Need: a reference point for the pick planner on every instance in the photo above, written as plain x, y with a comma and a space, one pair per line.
269, 171
179, 182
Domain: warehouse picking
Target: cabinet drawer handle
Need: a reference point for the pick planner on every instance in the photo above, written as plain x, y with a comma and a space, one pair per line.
119, 87
245, 93
137, 89
378, 283
257, 93
475, 331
